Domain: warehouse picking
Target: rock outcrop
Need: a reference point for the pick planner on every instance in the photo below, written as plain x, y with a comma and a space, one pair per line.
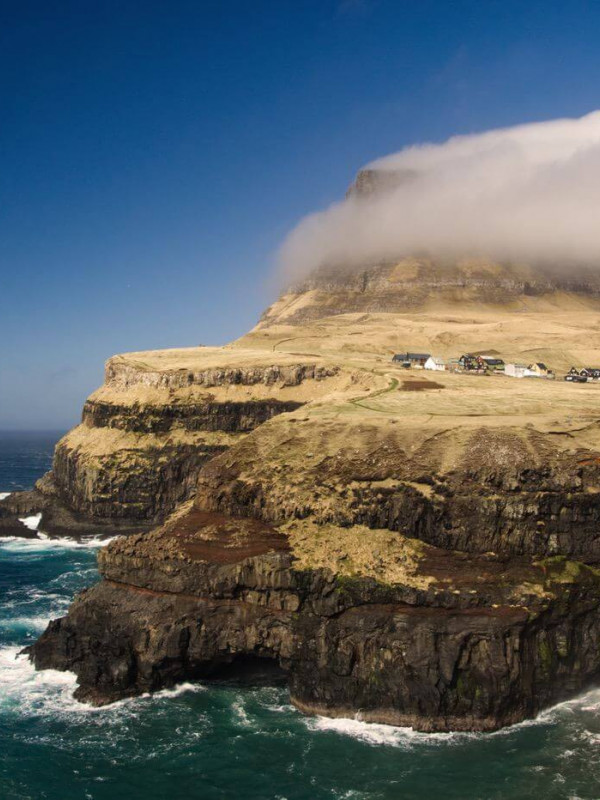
463, 644
512, 491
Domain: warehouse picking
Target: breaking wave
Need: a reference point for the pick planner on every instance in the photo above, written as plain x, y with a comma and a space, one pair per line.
28, 692
44, 543
379, 734
31, 522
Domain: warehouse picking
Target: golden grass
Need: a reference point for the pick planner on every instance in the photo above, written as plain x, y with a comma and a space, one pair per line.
102, 442
357, 551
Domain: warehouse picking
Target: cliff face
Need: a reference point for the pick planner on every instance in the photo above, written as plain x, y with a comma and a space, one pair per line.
478, 644
512, 491
145, 434
411, 576
416, 284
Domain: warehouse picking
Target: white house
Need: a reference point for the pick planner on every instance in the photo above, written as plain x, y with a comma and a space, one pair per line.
516, 370
437, 364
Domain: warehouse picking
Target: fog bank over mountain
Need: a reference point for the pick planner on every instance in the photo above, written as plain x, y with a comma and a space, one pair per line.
528, 193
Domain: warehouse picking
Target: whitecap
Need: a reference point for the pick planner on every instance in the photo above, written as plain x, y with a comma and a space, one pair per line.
46, 544
28, 692
379, 734
4, 495
240, 712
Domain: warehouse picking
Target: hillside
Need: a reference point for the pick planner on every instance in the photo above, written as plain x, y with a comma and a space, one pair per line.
442, 309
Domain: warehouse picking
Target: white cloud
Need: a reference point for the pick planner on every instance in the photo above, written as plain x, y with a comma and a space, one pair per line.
527, 193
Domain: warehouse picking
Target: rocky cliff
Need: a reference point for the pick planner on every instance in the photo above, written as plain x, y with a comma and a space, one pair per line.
145, 434
459, 643
415, 575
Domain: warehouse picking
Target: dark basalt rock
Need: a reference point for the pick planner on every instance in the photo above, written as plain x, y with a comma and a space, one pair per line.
540, 503
57, 519
16, 507
145, 487
208, 590
126, 492
230, 417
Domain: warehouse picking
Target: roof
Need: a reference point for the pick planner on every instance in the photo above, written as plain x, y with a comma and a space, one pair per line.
437, 360
412, 356
492, 360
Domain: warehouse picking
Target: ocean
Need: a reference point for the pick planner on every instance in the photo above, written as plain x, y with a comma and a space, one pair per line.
227, 741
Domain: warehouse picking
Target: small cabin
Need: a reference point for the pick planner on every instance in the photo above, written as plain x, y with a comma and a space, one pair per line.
575, 375
538, 370
493, 364
437, 364
470, 362
515, 370
413, 359
591, 373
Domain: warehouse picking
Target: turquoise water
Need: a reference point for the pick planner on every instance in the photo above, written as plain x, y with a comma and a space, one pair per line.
224, 741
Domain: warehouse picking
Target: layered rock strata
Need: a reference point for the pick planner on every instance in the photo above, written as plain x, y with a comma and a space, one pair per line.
146, 433
463, 644
507, 490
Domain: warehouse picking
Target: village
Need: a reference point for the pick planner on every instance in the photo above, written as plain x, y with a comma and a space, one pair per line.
491, 364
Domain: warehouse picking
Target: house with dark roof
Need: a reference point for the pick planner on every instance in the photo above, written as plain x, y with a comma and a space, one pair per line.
414, 359
538, 369
494, 364
471, 362
591, 373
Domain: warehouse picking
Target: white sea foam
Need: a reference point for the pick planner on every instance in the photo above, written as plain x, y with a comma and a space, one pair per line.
284, 708
378, 734
28, 692
240, 713
31, 522
175, 691
43, 543
4, 495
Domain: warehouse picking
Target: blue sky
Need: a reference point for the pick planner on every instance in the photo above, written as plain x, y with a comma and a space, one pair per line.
153, 155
